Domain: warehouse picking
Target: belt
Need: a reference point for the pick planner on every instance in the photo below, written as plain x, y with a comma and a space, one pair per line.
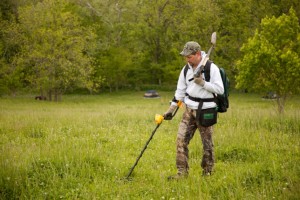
200, 99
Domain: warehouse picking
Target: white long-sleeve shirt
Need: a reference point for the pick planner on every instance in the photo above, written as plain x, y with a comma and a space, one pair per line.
184, 86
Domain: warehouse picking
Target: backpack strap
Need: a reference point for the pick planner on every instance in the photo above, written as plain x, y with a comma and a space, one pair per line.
186, 68
206, 71
207, 75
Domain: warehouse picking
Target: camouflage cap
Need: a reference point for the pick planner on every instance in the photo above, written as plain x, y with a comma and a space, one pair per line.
190, 48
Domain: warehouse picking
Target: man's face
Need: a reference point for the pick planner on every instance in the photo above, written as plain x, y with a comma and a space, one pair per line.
194, 60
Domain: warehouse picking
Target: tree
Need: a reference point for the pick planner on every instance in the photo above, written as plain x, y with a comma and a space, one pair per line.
55, 53
271, 59
165, 26
239, 19
50, 46
10, 78
114, 58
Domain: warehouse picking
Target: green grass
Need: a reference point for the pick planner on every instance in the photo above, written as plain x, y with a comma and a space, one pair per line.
83, 147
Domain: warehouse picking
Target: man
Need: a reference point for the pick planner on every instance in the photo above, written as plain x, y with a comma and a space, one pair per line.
191, 90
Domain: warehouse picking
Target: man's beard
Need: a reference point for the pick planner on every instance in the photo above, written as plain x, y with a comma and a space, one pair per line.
192, 64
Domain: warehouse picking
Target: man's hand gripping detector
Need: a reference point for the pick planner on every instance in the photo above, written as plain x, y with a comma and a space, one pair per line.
159, 118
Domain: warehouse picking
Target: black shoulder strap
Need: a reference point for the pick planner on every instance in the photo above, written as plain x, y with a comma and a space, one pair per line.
186, 68
207, 70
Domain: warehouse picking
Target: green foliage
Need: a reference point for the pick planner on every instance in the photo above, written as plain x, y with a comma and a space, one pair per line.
55, 47
166, 26
11, 75
82, 148
239, 19
271, 59
115, 65
65, 45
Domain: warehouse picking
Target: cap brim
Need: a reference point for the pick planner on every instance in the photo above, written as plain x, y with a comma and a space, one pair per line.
185, 53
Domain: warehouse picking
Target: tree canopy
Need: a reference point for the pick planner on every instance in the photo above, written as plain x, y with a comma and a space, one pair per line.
52, 46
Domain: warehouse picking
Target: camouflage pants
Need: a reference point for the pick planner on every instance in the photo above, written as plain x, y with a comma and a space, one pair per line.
186, 132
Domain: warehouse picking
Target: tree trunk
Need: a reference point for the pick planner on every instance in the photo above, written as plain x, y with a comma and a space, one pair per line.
50, 95
280, 104
57, 95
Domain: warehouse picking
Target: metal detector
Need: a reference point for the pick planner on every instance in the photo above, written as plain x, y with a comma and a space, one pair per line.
158, 120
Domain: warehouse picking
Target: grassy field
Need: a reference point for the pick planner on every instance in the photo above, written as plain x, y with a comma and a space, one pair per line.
83, 147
